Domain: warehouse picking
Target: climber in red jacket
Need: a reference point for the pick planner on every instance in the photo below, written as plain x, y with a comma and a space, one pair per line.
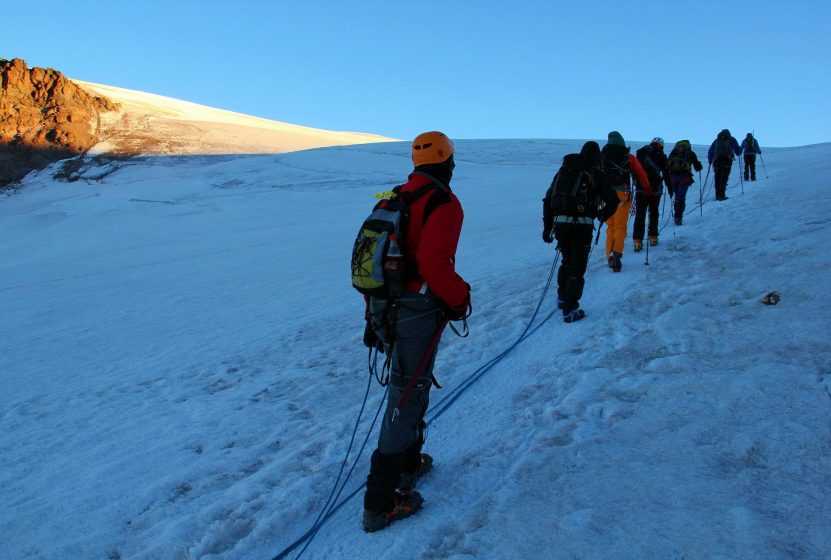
433, 294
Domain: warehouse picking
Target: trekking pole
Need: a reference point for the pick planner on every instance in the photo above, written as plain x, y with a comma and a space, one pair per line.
646, 262
765, 167
706, 180
701, 194
741, 174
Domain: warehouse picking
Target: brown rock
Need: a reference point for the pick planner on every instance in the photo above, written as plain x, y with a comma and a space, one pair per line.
44, 117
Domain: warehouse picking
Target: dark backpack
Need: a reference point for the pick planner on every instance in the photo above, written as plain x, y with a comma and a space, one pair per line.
724, 148
571, 190
679, 161
616, 166
378, 264
647, 156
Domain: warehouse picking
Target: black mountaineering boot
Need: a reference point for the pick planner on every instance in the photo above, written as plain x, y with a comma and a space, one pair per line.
408, 479
406, 504
574, 315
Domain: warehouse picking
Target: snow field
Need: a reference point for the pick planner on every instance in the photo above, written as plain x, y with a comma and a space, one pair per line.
182, 368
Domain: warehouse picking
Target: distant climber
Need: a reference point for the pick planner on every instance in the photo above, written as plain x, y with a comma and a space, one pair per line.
721, 154
654, 161
618, 166
577, 195
750, 147
682, 160
422, 292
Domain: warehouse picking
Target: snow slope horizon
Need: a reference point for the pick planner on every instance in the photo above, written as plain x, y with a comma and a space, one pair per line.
182, 366
148, 123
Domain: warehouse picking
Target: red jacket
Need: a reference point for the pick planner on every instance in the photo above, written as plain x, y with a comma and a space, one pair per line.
430, 248
639, 174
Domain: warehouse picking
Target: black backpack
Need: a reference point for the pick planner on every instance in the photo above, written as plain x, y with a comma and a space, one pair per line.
571, 192
679, 161
616, 166
724, 149
378, 263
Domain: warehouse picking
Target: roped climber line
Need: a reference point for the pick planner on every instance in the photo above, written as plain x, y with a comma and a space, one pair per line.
436, 410
333, 504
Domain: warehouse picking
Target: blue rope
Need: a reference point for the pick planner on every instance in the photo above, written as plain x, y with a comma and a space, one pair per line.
332, 496
444, 404
441, 407
346, 457
664, 214
322, 517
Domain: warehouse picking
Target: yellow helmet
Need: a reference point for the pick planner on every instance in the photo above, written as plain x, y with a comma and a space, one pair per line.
431, 147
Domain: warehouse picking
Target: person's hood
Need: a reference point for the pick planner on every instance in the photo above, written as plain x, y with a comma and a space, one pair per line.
573, 161
590, 153
616, 139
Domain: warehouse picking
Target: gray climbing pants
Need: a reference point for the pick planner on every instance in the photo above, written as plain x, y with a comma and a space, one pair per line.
403, 426
419, 318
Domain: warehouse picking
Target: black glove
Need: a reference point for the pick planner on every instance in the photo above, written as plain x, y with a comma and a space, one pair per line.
457, 313
698, 166
371, 339
547, 236
460, 312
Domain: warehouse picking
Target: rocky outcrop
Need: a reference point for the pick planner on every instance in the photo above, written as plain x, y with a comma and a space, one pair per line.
44, 116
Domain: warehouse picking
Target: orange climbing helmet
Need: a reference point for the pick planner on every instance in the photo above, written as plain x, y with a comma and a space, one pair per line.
432, 147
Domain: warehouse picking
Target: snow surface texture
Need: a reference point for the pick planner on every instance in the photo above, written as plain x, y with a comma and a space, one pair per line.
181, 368
153, 124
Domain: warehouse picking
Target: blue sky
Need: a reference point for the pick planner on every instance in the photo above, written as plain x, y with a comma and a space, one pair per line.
483, 69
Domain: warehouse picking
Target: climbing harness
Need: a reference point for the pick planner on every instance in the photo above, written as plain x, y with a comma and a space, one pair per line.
425, 360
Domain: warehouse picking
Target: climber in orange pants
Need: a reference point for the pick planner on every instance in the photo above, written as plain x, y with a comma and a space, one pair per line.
618, 167
616, 225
